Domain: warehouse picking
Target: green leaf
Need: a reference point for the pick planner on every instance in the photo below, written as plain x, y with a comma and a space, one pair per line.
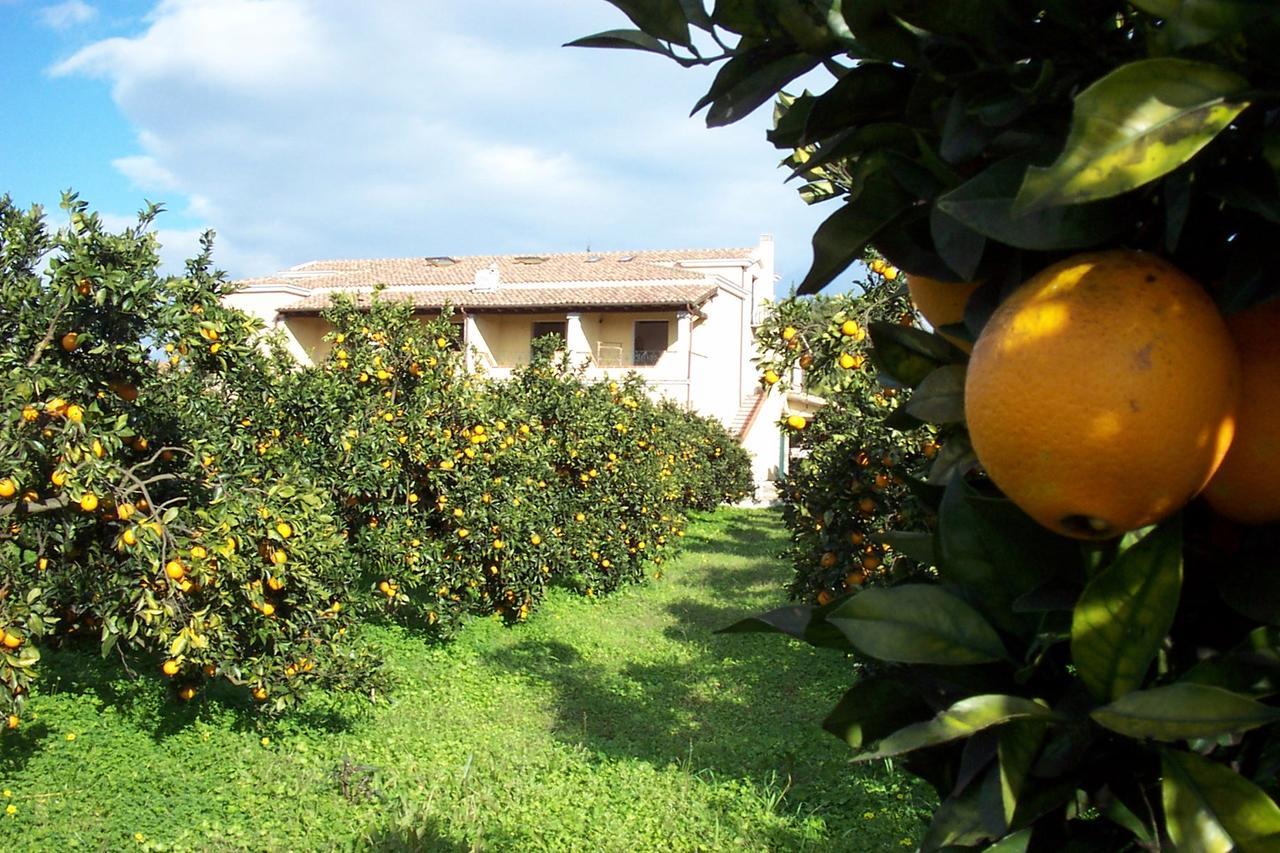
622, 39
958, 244
961, 720
917, 545
1139, 122
870, 92
799, 621
1016, 750
967, 818
1211, 809
1125, 612
749, 79
917, 623
908, 355
985, 203
839, 240
1015, 843
1182, 711
1191, 22
874, 707
997, 552
939, 398
664, 19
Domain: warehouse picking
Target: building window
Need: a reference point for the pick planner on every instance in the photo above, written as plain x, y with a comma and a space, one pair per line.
541, 329
651, 341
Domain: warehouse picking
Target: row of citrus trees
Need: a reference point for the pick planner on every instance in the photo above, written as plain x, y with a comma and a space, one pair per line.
176, 489
847, 494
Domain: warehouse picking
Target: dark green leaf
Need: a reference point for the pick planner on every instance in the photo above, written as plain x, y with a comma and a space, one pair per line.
992, 549
799, 621
1016, 750
967, 818
1125, 612
840, 240
1210, 808
1183, 711
623, 39
1015, 843
664, 19
872, 709
916, 623
955, 458
917, 545
1139, 122
750, 79
985, 203
744, 17
1191, 22
1177, 204
939, 398
958, 244
1252, 666
961, 720
908, 355
870, 92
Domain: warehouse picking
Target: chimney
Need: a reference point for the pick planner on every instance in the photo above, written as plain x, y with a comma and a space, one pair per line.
487, 280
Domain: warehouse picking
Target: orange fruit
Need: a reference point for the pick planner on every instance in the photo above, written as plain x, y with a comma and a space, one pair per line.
797, 422
8, 488
175, 570
171, 667
259, 694
1101, 395
69, 341
89, 502
828, 560
1247, 485
941, 303
12, 722
771, 377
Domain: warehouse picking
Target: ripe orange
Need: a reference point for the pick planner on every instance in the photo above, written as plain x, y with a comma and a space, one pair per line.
69, 341
828, 560
797, 422
1101, 395
771, 377
89, 502
1246, 487
259, 694
8, 488
175, 570
941, 303
12, 722
171, 667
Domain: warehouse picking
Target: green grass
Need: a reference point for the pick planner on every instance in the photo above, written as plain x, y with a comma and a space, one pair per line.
620, 724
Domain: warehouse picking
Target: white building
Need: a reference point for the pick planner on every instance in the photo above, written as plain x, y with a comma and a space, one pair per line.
683, 320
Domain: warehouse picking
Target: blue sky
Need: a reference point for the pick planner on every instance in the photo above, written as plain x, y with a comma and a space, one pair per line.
306, 129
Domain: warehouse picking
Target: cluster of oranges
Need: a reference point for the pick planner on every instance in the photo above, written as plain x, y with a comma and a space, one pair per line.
1108, 391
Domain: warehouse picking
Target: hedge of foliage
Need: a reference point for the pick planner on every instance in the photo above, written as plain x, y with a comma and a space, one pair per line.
176, 488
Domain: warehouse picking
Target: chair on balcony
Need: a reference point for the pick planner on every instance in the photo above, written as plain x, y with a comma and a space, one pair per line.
608, 354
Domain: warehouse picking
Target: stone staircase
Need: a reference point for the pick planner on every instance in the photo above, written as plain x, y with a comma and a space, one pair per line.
745, 414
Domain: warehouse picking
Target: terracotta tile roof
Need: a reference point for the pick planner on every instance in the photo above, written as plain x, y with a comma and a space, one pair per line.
512, 269
652, 294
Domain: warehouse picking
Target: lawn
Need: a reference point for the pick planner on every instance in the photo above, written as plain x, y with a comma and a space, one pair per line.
614, 724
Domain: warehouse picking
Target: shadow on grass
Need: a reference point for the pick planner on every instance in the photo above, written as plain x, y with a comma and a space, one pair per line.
742, 706
149, 704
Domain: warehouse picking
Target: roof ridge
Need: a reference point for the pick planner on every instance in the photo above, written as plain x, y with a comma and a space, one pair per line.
585, 252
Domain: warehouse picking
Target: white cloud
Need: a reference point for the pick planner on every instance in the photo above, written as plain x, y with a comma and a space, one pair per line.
314, 128
146, 172
62, 16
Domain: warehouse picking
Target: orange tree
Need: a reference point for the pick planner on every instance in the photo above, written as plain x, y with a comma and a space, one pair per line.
1090, 189
175, 486
134, 508
847, 499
